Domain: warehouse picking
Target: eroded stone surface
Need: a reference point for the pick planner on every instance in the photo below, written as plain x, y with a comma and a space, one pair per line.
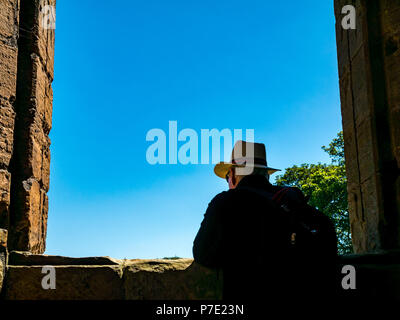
9, 17
3, 255
8, 70
165, 280
23, 258
3, 239
2, 269
31, 149
5, 180
72, 283
377, 277
26, 74
179, 279
30, 221
368, 64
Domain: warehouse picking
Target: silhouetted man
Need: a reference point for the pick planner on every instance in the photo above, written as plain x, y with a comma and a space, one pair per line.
245, 234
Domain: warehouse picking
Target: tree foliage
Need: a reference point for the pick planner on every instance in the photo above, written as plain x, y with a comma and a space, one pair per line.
326, 187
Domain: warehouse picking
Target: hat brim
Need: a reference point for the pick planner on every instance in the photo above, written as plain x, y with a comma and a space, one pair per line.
221, 169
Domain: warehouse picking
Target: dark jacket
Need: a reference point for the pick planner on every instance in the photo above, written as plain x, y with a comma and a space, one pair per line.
243, 234
246, 236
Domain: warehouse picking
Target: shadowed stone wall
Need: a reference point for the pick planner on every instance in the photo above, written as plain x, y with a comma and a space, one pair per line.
9, 16
26, 74
104, 278
369, 72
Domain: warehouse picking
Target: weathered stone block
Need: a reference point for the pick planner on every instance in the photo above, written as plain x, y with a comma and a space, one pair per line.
180, 279
72, 283
7, 120
371, 121
2, 269
390, 15
3, 255
9, 15
391, 39
30, 221
342, 42
24, 258
31, 150
3, 239
350, 147
367, 167
8, 71
5, 181
360, 80
357, 36
346, 95
44, 42
372, 217
38, 219
177, 279
38, 156
42, 93
34, 160
377, 277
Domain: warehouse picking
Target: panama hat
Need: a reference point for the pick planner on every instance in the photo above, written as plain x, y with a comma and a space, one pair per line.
243, 156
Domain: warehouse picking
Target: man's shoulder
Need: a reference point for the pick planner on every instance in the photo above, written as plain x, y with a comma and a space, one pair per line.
231, 196
222, 197
241, 194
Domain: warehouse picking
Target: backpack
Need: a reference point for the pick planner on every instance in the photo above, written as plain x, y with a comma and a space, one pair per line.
312, 233
311, 241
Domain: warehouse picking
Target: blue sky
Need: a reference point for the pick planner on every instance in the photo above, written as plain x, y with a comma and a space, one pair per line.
122, 69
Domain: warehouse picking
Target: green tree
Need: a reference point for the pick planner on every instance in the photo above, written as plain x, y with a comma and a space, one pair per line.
326, 187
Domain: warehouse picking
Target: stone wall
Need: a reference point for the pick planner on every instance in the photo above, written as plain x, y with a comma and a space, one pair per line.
9, 30
3, 255
26, 74
103, 278
377, 278
369, 72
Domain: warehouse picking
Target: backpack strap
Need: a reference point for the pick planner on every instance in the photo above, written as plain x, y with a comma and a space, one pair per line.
278, 196
264, 194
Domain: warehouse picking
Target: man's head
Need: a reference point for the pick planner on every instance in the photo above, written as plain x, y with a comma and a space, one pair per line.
247, 158
233, 178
